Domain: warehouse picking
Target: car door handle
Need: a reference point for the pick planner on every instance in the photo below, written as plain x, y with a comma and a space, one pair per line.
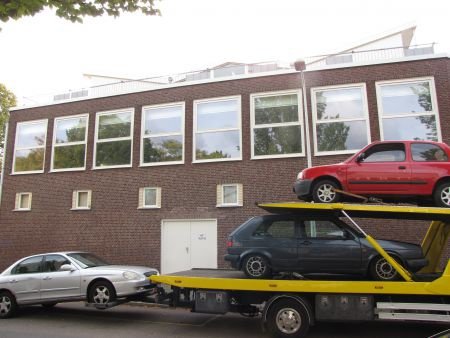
13, 281
402, 167
306, 242
47, 278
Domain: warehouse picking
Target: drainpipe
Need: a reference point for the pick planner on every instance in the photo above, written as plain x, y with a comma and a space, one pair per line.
3, 162
301, 66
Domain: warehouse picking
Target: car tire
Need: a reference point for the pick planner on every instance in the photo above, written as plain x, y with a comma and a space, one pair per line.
256, 267
8, 305
287, 318
381, 270
101, 292
48, 305
323, 192
441, 195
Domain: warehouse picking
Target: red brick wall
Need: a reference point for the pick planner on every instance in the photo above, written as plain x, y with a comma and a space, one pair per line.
117, 230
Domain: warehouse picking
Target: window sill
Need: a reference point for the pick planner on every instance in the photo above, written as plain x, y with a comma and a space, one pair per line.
80, 209
22, 209
229, 205
152, 207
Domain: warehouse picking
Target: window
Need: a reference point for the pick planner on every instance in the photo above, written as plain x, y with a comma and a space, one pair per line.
423, 152
162, 134
323, 229
150, 198
276, 229
229, 195
69, 143
394, 152
114, 139
340, 117
81, 200
23, 201
53, 263
410, 104
29, 150
217, 130
276, 125
29, 265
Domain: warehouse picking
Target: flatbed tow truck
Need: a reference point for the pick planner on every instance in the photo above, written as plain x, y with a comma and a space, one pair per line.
288, 307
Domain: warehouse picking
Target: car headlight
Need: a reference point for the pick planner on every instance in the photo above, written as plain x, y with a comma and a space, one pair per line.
300, 175
131, 275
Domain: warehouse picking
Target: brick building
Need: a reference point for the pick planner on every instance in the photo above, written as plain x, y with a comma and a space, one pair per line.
161, 174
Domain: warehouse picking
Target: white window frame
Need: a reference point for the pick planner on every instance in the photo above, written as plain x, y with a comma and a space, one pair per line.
143, 136
18, 201
142, 204
365, 116
75, 199
28, 148
52, 169
96, 141
221, 197
254, 126
239, 128
434, 103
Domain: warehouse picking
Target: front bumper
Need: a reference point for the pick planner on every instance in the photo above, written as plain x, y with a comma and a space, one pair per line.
233, 259
132, 287
302, 188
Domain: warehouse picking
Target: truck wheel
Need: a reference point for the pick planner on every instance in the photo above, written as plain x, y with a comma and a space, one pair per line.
442, 195
323, 192
101, 292
256, 267
288, 318
380, 269
8, 305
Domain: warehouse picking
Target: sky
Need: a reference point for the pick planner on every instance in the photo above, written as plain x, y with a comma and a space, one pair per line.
44, 54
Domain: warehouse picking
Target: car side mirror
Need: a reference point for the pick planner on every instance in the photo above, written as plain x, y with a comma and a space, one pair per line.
360, 157
66, 267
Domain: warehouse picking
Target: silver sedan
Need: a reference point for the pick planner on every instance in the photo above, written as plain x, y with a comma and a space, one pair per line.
52, 278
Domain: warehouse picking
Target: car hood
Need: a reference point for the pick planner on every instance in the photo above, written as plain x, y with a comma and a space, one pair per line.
138, 269
397, 245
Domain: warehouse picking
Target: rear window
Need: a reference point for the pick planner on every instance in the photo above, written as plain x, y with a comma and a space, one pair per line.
423, 152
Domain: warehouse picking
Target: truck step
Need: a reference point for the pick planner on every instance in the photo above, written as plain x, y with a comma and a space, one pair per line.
414, 311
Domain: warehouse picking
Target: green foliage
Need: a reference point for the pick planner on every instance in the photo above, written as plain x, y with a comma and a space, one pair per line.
204, 155
7, 100
75, 10
113, 153
165, 151
34, 160
278, 140
69, 157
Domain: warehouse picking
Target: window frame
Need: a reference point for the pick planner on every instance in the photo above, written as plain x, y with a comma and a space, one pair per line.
254, 126
44, 146
19, 195
365, 117
434, 103
143, 136
194, 128
158, 197
75, 198
239, 195
52, 169
96, 140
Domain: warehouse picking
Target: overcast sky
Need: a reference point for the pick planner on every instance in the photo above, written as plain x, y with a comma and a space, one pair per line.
44, 54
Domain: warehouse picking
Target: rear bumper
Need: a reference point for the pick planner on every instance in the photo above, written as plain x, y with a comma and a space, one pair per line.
302, 188
233, 259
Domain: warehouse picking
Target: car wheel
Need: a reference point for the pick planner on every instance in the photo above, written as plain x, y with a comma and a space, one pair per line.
8, 305
101, 292
323, 192
442, 195
256, 266
380, 269
48, 305
288, 318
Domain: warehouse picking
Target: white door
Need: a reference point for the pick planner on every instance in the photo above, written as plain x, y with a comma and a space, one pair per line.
188, 244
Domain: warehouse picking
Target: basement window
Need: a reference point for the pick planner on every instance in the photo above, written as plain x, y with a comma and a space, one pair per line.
23, 201
229, 195
81, 200
149, 198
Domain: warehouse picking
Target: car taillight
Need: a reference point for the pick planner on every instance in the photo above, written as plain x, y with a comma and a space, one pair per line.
230, 243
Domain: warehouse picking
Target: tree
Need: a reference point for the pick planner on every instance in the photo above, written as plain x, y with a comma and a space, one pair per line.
75, 10
7, 100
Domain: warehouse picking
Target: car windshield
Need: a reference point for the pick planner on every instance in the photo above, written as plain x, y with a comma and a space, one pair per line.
87, 260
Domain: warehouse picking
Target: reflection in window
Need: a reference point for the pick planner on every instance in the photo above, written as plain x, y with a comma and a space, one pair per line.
217, 133
423, 152
411, 105
394, 152
114, 139
69, 144
163, 134
341, 119
29, 265
276, 125
29, 149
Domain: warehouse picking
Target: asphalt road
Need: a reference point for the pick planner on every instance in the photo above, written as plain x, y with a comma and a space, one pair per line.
74, 320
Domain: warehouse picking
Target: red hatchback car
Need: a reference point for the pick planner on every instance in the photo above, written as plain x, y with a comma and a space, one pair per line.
419, 169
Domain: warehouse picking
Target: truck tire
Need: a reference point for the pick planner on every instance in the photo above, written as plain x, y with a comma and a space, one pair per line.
288, 318
323, 192
380, 269
441, 195
256, 267
101, 292
8, 305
